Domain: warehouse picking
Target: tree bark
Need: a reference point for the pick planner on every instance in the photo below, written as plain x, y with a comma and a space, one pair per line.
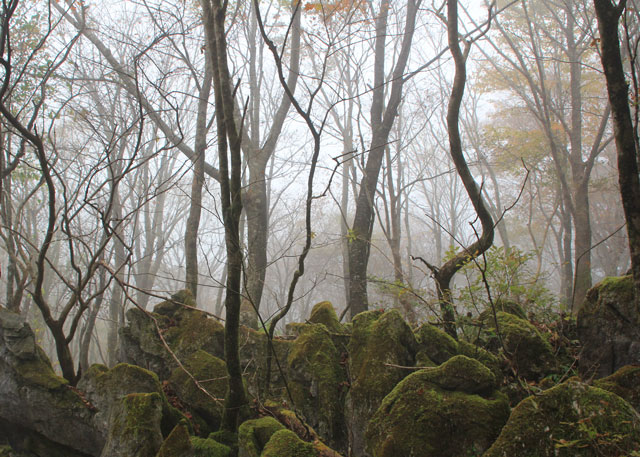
382, 120
608, 15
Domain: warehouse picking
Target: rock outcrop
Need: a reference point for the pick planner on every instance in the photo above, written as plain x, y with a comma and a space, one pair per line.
447, 411
571, 419
609, 328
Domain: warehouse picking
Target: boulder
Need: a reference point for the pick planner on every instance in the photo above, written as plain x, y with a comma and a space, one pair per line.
254, 434
204, 400
625, 383
448, 411
185, 329
528, 352
609, 328
39, 411
285, 443
318, 383
177, 444
379, 341
134, 426
569, 420
324, 313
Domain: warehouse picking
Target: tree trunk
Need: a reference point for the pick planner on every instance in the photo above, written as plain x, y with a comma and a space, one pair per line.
608, 16
382, 120
195, 210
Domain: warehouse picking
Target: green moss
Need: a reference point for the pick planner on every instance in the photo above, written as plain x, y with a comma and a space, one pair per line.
420, 418
206, 447
434, 344
463, 374
612, 290
285, 443
377, 340
571, 419
324, 313
195, 331
177, 444
317, 379
37, 372
529, 353
211, 374
506, 306
482, 355
625, 383
254, 434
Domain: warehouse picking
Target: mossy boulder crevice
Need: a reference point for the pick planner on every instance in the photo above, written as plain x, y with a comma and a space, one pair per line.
434, 345
608, 325
318, 383
380, 342
254, 434
439, 412
571, 419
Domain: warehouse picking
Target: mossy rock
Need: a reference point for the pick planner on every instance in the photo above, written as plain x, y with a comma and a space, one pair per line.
134, 426
254, 434
434, 345
177, 302
211, 374
317, 382
463, 374
105, 387
489, 360
529, 353
505, 305
177, 444
207, 447
378, 341
424, 417
285, 443
608, 325
570, 420
324, 313
625, 383
248, 316
254, 351
185, 329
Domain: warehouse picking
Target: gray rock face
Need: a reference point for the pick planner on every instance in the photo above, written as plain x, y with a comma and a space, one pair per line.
609, 328
134, 426
37, 407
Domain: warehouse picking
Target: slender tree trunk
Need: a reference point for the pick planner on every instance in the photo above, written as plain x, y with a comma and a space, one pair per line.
230, 158
195, 210
382, 120
444, 274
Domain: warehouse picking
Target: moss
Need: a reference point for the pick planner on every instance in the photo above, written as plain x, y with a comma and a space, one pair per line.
194, 331
254, 350
420, 418
529, 353
625, 383
379, 338
171, 306
135, 426
207, 447
285, 443
254, 434
463, 374
571, 419
177, 444
435, 344
612, 290
211, 374
316, 380
506, 306
324, 313
37, 372
482, 355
